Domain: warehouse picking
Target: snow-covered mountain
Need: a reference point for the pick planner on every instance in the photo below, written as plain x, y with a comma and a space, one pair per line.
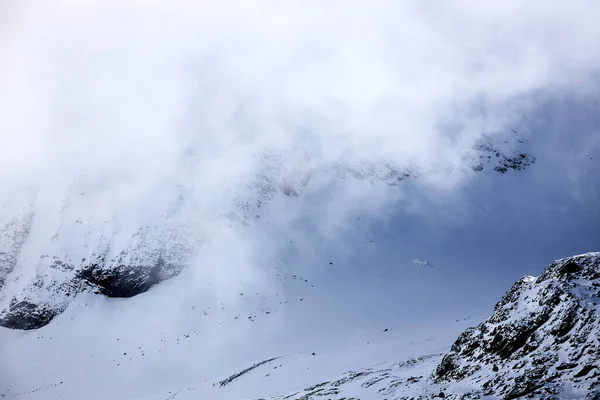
543, 338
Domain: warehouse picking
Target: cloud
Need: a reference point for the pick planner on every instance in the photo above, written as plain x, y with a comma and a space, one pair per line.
264, 135
185, 110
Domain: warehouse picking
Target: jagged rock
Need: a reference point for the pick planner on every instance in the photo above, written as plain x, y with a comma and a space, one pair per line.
120, 281
544, 331
126, 280
32, 303
25, 315
518, 162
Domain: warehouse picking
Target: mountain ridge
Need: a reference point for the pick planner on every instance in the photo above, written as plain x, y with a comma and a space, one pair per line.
120, 262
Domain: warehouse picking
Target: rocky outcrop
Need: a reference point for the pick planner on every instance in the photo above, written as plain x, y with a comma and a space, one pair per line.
31, 312
125, 280
26, 315
542, 339
484, 152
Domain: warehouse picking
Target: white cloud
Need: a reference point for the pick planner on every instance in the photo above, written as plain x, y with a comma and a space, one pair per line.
123, 101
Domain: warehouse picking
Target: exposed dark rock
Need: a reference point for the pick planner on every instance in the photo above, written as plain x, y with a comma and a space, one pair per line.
593, 395
122, 281
485, 152
235, 376
564, 366
25, 315
537, 319
519, 162
569, 268
584, 371
118, 281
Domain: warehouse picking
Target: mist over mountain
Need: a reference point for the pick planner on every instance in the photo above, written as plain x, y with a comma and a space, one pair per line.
235, 182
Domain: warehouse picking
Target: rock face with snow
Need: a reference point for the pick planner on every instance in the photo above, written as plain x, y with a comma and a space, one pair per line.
31, 299
542, 339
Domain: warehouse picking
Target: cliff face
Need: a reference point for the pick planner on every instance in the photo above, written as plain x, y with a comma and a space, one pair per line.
542, 339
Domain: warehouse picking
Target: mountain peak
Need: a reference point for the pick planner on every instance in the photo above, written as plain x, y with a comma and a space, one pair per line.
543, 333
584, 266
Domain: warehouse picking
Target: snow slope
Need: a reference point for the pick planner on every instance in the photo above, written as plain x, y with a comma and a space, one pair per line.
534, 344
542, 341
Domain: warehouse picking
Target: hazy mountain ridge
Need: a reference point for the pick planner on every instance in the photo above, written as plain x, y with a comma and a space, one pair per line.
119, 261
